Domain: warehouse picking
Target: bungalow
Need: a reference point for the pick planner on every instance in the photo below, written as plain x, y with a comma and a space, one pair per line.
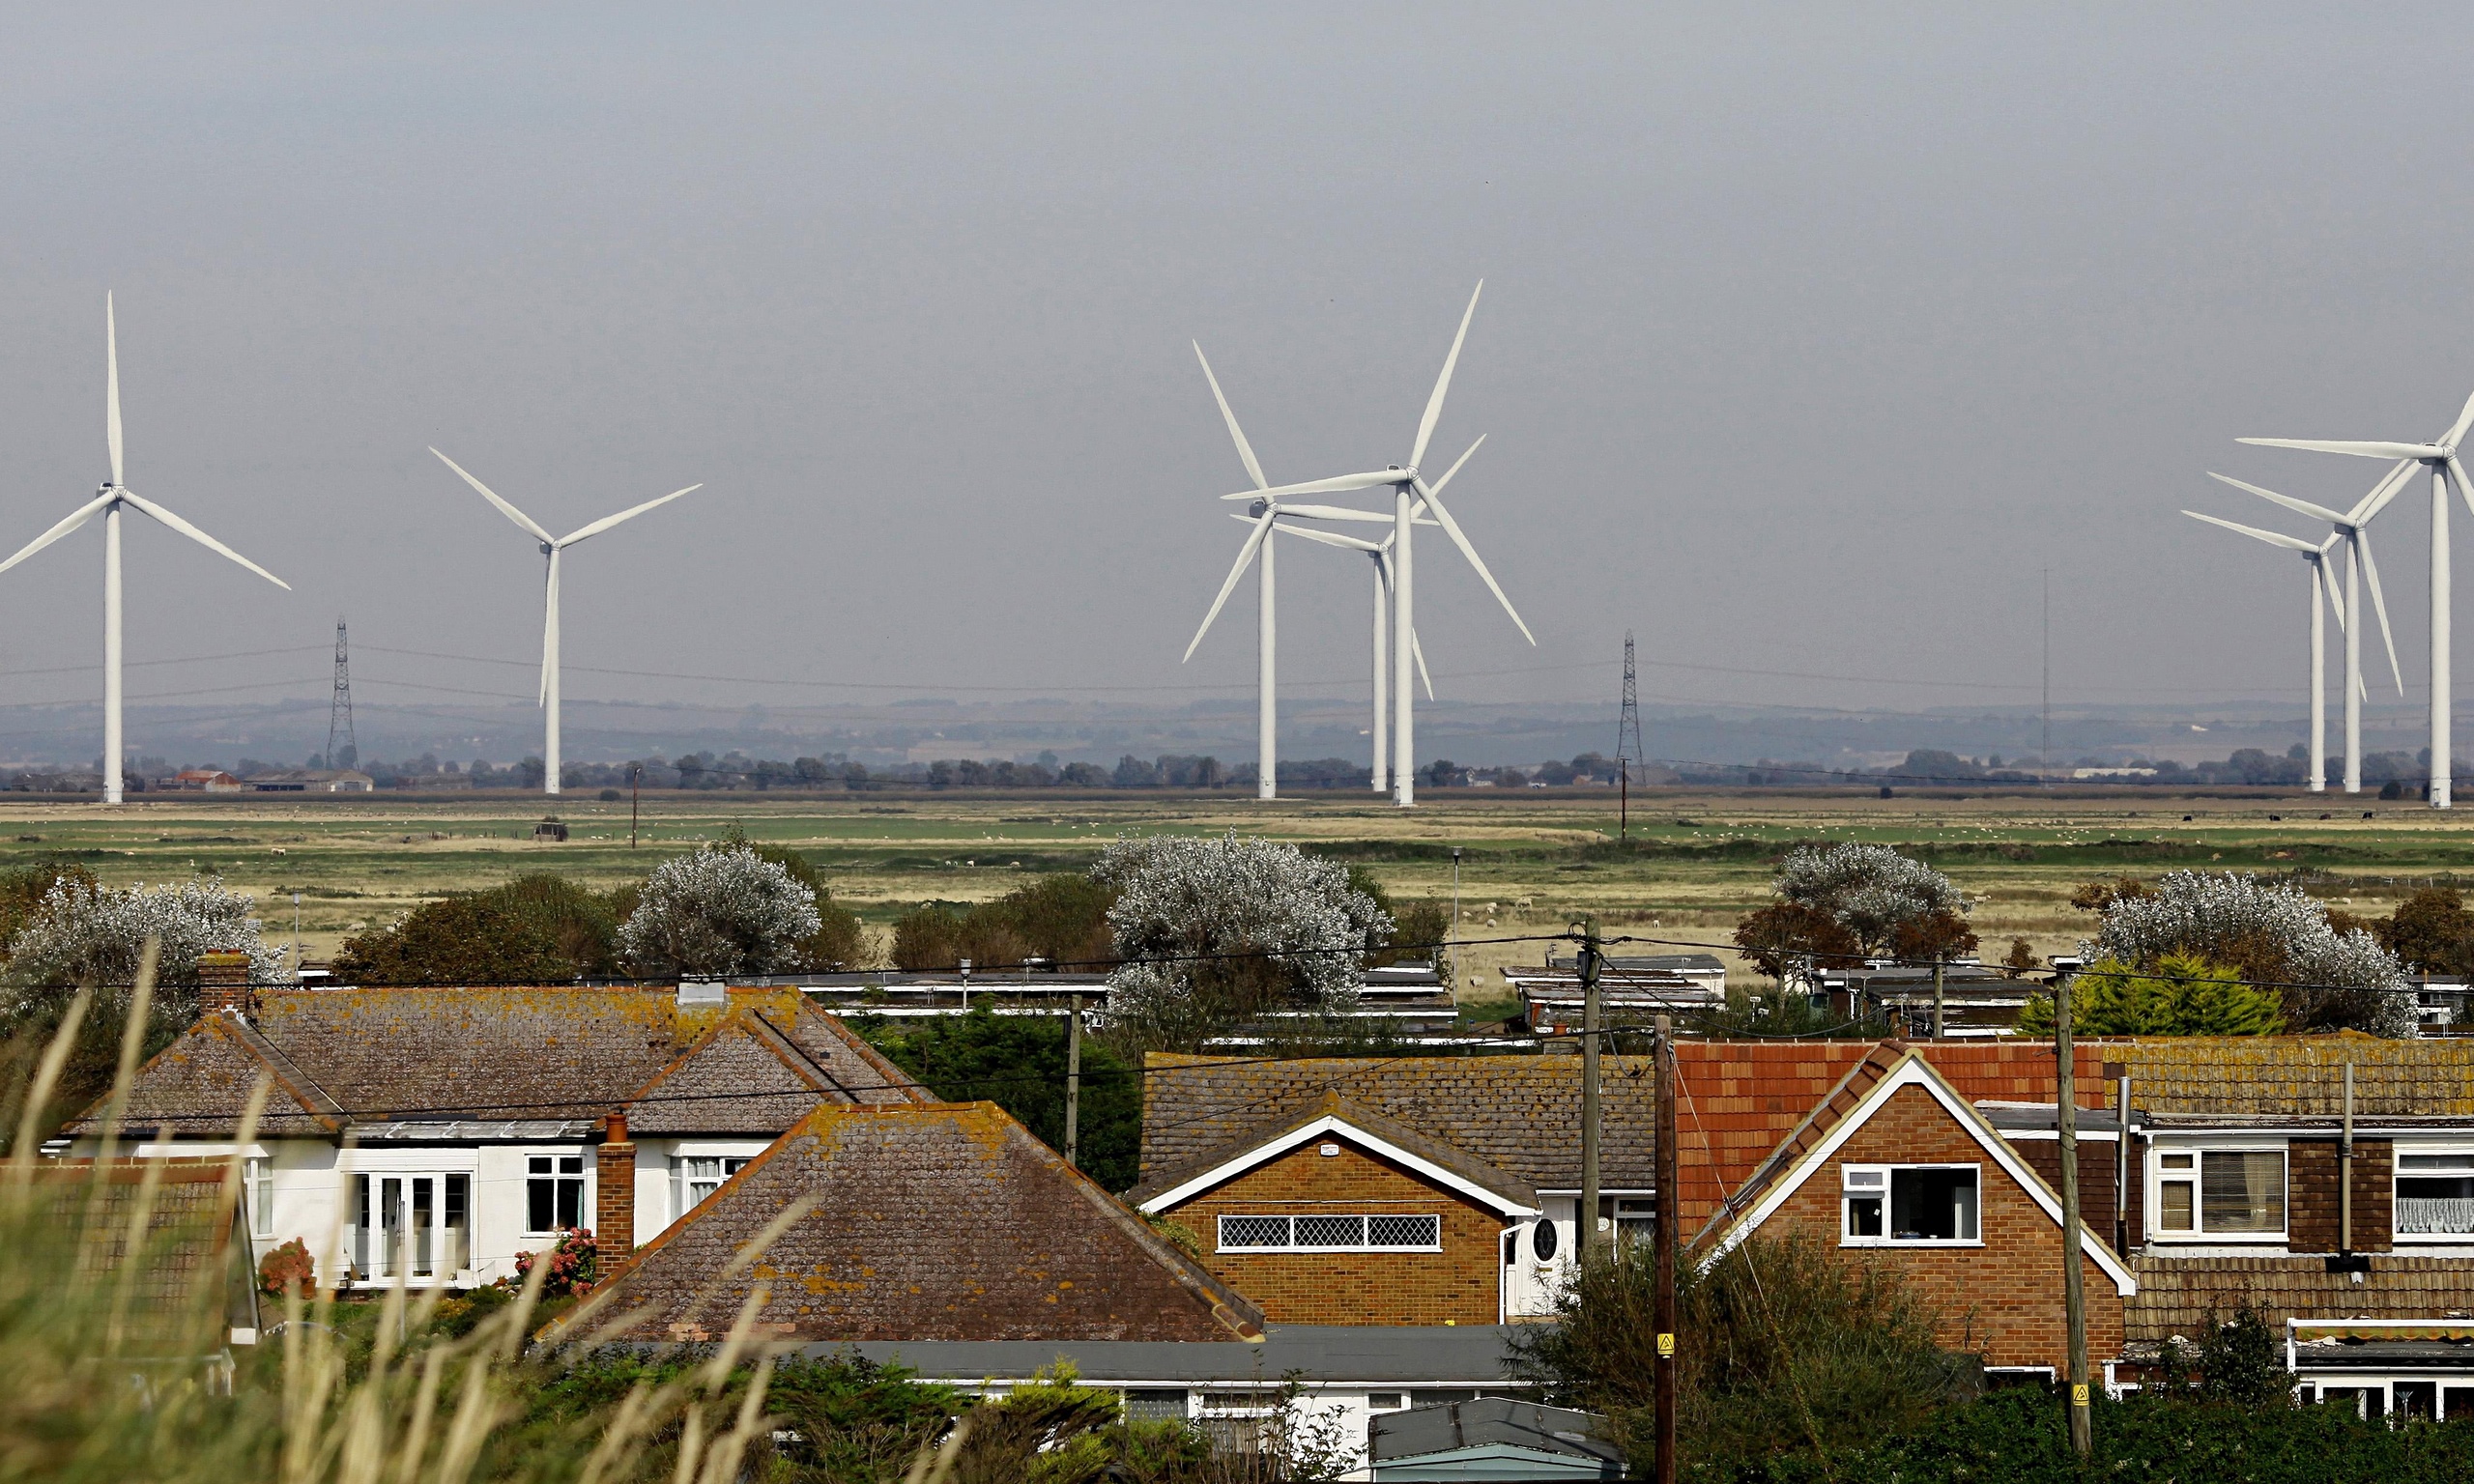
433, 1135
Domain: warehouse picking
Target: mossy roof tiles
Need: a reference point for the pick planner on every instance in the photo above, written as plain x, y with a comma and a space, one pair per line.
944, 1221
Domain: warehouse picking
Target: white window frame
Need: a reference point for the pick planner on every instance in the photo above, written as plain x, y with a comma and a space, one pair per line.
688, 1180
371, 1258
2397, 1171
1853, 1184
583, 1173
1219, 1231
2198, 1235
259, 1173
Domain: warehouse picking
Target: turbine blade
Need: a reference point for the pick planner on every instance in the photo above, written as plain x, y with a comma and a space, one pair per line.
2386, 490
1341, 485
112, 384
1443, 383
201, 537
549, 626
2464, 421
1336, 513
1245, 558
2336, 599
2273, 538
1418, 653
76, 518
1457, 463
1244, 450
2302, 506
1452, 528
2379, 606
2360, 450
1327, 537
492, 495
2465, 488
608, 520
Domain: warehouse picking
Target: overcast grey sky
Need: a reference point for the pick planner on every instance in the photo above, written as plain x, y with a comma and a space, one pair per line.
1809, 335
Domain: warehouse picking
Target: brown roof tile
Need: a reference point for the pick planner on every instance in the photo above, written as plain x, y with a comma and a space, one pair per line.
1391, 1130
192, 1276
2178, 1294
939, 1222
2298, 1076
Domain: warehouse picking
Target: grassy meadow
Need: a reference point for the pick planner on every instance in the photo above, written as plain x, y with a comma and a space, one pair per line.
1533, 859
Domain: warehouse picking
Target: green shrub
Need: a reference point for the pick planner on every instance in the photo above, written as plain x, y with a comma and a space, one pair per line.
2186, 995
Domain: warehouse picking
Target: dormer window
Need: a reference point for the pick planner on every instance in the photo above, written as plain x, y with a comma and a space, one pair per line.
1909, 1205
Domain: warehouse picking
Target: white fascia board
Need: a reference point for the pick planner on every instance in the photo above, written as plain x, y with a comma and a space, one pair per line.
1331, 1123
1912, 1072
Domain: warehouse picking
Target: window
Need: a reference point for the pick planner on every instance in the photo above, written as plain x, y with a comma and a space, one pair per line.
1543, 1241
1386, 1401
1908, 1203
1331, 1234
412, 1225
553, 1193
1636, 1221
2435, 1194
261, 1177
2229, 1191
704, 1174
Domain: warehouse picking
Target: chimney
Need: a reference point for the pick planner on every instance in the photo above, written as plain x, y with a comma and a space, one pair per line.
613, 1201
223, 986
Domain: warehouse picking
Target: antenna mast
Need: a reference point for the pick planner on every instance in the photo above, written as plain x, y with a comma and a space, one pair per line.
1627, 743
339, 710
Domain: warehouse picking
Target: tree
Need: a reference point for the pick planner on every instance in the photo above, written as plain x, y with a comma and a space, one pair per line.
1786, 940
1210, 933
722, 910
2097, 896
839, 941
1018, 1062
1877, 895
83, 931
2430, 932
22, 889
2022, 956
2184, 996
1061, 918
536, 930
2275, 936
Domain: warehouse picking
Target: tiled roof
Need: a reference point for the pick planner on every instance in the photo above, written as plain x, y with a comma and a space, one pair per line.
395, 1055
192, 1278
760, 1070
1521, 1114
1392, 1131
2176, 1294
2298, 1076
941, 1221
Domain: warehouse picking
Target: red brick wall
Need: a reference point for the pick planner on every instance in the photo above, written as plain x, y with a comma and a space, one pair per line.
1457, 1285
2001, 1300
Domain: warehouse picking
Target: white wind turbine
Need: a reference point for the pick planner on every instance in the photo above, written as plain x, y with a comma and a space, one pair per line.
2352, 528
1380, 554
1264, 516
1408, 487
107, 502
2441, 458
2316, 558
551, 548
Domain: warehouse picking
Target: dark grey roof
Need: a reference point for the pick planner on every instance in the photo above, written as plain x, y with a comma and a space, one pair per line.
2454, 1355
1399, 1356
536, 1130
1490, 1419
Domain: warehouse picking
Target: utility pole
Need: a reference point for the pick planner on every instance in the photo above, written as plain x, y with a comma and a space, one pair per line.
1073, 1080
635, 782
1456, 921
1938, 1021
1589, 1022
1627, 744
297, 963
1664, 1253
2074, 1302
2044, 754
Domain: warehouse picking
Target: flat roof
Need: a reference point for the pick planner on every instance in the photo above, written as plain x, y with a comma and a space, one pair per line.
1407, 1355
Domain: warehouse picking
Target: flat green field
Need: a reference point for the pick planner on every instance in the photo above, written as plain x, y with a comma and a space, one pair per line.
1533, 860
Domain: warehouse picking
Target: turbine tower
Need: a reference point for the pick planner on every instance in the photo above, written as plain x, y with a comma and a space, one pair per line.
2352, 528
1380, 555
1410, 493
107, 503
551, 549
2316, 558
2441, 458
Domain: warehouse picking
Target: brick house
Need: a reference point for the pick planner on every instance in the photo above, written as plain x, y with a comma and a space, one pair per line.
436, 1135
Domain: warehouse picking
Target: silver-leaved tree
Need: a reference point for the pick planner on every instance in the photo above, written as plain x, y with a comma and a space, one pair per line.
85, 932
1214, 933
2276, 935
722, 910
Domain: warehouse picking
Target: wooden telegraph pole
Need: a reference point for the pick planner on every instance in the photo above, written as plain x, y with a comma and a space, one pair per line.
2074, 1302
1590, 1026
1073, 1080
1664, 1152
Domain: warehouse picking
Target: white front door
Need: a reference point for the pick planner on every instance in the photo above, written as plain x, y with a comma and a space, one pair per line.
413, 1226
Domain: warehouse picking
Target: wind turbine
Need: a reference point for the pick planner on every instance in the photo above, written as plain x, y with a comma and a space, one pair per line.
2352, 528
1408, 486
2441, 458
1264, 515
2316, 558
107, 502
1381, 554
551, 548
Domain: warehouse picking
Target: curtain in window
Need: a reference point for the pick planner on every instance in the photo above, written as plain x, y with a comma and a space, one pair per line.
2242, 1190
